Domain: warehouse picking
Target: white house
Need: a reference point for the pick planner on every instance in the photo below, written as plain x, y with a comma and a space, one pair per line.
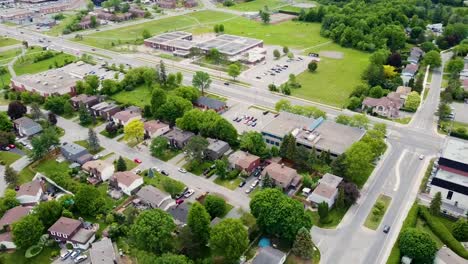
124, 117
99, 170
127, 181
7, 240
155, 128
30, 193
326, 191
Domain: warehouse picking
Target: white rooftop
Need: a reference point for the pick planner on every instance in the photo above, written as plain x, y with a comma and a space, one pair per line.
457, 150
452, 177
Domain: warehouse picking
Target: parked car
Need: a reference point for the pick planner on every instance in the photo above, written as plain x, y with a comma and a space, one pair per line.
189, 193
80, 258
137, 171
97, 156
11, 146
249, 190
182, 170
165, 173
74, 254
179, 201
386, 229
226, 83
421, 157
242, 183
254, 184
65, 255
266, 112
137, 161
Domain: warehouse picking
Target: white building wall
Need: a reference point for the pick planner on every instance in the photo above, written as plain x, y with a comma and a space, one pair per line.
457, 199
160, 131
319, 199
8, 244
27, 199
128, 189
107, 173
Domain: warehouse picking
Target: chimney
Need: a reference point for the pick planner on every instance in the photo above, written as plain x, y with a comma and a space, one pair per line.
282, 165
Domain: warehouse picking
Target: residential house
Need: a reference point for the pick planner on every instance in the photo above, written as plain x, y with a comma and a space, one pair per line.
105, 110
26, 127
243, 161
6, 240
179, 213
136, 12
72, 231
465, 84
103, 252
155, 128
85, 100
403, 91
436, 28
451, 178
409, 72
30, 193
269, 255
282, 175
169, 4
207, 103
326, 191
75, 153
13, 215
216, 149
122, 118
384, 106
126, 181
415, 55
153, 197
98, 170
178, 138
190, 3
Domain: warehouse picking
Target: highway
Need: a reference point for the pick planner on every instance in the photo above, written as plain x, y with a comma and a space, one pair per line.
397, 174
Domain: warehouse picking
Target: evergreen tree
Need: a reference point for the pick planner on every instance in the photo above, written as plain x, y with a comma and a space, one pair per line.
340, 199
267, 182
162, 74
323, 211
303, 246
199, 223
85, 116
121, 165
35, 111
11, 177
93, 141
435, 204
52, 118
288, 147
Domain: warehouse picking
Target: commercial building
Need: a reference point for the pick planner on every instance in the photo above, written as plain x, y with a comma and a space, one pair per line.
180, 43
321, 134
451, 178
207, 103
59, 81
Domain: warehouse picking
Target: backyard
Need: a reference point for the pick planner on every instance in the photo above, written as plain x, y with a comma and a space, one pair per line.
26, 64
7, 157
140, 96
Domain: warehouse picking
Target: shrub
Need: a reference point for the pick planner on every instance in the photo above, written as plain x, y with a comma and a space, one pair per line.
443, 233
69, 246
33, 251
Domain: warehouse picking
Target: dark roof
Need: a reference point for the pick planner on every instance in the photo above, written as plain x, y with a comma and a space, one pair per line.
449, 186
65, 226
453, 164
13, 215
152, 195
210, 103
179, 212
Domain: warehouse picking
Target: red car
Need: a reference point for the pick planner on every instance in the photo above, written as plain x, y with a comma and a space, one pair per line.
11, 146
179, 201
137, 161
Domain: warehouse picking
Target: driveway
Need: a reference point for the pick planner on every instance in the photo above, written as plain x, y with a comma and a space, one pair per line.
460, 110
2, 180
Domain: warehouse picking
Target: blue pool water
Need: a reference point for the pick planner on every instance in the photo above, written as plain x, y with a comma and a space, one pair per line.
264, 242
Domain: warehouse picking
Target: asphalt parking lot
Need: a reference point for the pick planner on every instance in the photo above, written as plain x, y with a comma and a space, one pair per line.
244, 114
460, 110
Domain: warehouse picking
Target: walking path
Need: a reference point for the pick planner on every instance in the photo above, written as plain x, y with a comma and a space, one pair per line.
12, 62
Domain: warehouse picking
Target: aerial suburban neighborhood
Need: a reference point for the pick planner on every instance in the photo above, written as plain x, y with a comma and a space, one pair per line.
233, 131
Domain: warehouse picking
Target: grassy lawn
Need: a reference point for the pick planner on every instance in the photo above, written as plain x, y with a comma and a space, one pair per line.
169, 154
198, 170
124, 35
130, 164
8, 55
422, 187
8, 42
158, 179
50, 166
17, 257
84, 143
58, 29
26, 175
293, 259
257, 5
106, 134
374, 222
27, 65
7, 158
421, 225
230, 184
140, 96
335, 215
337, 91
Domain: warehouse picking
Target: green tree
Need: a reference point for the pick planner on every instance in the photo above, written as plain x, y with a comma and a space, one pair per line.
36, 112
195, 148
288, 148
5, 122
11, 177
158, 146
221, 168
278, 214
312, 66
187, 92
48, 212
202, 81
303, 246
253, 142
158, 98
152, 231
412, 101
173, 108
121, 165
360, 120
436, 203
215, 205
376, 92
169, 258
27, 231
277, 54
172, 187
93, 141
460, 230
146, 34
323, 211
340, 199
89, 201
417, 245
285, 50
265, 16
85, 116
8, 201
358, 162
42, 143
134, 130
433, 59
229, 239
198, 221
233, 70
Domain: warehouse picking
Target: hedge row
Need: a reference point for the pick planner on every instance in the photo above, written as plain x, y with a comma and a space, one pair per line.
410, 221
459, 135
443, 233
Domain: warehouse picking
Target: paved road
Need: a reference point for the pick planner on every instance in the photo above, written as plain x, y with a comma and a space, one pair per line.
411, 140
